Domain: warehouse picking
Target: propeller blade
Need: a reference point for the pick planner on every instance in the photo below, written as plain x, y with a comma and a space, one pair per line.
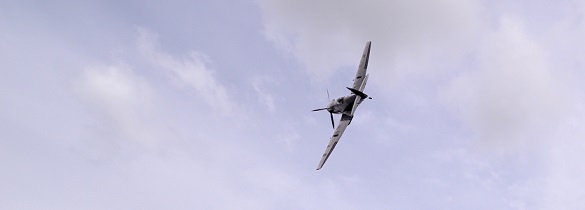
328, 99
319, 109
332, 123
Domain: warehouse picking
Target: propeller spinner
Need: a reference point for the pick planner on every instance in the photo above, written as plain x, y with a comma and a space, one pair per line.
327, 108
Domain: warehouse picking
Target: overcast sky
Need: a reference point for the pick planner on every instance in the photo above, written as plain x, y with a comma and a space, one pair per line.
206, 104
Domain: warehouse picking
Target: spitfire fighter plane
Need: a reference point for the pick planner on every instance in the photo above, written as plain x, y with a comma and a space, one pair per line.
347, 105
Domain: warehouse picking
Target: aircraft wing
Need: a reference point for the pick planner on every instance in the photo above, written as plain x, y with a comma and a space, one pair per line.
343, 123
361, 77
362, 69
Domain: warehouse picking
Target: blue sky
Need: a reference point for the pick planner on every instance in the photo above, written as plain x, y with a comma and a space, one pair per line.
206, 104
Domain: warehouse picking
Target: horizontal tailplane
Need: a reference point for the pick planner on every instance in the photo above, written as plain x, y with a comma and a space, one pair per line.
357, 92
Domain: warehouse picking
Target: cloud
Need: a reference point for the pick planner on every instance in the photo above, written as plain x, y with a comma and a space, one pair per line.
261, 91
192, 71
522, 99
565, 172
126, 99
327, 35
513, 91
132, 106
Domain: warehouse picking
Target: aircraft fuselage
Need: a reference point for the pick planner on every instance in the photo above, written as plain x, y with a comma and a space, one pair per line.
341, 105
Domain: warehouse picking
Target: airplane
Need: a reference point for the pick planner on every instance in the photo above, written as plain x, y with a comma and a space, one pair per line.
346, 105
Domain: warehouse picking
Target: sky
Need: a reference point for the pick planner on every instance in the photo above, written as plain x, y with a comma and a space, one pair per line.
206, 104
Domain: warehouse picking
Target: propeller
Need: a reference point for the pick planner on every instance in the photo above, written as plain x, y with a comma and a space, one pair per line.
332, 123
330, 114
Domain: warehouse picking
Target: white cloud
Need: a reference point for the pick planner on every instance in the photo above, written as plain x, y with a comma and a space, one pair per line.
192, 71
126, 99
131, 106
512, 93
520, 100
327, 35
264, 97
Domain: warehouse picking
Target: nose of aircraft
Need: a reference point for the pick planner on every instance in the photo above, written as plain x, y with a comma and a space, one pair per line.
330, 106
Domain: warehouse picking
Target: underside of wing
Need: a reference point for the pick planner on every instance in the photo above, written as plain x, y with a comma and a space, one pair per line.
363, 86
342, 125
363, 68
